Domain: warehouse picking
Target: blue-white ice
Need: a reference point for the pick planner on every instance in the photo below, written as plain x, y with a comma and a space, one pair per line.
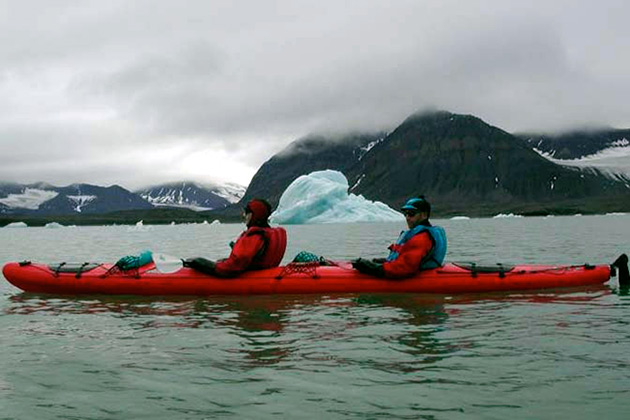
139, 227
322, 197
53, 225
507, 216
16, 225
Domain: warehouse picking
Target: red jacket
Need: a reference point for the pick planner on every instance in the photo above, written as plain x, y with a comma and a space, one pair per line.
256, 248
410, 256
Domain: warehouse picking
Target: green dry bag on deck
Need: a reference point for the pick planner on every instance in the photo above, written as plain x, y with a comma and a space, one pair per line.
131, 262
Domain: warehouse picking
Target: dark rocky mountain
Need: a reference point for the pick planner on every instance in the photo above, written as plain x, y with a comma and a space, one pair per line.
303, 156
192, 195
467, 166
15, 198
85, 198
45, 199
462, 164
5, 190
576, 144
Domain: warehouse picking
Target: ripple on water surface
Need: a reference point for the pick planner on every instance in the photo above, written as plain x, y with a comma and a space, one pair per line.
559, 354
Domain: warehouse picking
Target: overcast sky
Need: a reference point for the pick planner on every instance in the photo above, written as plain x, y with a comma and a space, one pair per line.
142, 92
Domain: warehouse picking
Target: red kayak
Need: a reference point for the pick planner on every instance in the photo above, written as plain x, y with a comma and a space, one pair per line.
295, 278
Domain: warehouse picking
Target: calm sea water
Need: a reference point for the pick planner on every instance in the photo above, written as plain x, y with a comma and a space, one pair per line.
557, 354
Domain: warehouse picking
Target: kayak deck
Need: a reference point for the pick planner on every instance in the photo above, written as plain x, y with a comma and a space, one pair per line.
296, 278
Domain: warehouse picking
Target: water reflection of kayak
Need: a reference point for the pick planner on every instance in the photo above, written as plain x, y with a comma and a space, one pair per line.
298, 278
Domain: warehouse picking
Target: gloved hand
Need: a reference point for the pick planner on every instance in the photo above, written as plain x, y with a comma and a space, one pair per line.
368, 267
200, 264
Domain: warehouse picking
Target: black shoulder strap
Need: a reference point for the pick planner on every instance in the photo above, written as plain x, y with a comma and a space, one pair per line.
263, 248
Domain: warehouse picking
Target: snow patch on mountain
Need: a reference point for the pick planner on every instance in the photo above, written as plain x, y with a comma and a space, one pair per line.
356, 184
365, 149
193, 196
80, 201
172, 197
231, 192
30, 198
612, 161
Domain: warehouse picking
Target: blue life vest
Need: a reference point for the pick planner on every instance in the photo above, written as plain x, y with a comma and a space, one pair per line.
436, 256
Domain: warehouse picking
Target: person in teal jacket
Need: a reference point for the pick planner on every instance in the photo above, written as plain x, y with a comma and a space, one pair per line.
421, 247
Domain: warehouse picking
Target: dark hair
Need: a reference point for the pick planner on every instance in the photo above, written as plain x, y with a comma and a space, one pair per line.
423, 205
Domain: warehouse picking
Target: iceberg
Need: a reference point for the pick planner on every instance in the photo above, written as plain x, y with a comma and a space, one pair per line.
139, 227
507, 216
53, 225
322, 197
16, 225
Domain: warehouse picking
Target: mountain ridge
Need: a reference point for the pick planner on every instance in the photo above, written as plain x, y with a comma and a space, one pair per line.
575, 144
44, 199
463, 164
307, 154
192, 195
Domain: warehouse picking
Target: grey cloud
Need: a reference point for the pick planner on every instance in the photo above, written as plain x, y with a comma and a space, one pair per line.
99, 79
193, 65
367, 89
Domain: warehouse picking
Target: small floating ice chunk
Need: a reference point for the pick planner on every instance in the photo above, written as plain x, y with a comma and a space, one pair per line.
138, 227
16, 225
53, 225
507, 216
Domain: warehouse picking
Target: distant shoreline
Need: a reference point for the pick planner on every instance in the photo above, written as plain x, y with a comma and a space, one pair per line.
128, 220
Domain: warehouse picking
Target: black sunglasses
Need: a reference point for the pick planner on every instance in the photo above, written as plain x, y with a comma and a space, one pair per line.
410, 213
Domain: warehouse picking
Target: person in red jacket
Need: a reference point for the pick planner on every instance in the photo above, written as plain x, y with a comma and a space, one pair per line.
420, 247
259, 247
